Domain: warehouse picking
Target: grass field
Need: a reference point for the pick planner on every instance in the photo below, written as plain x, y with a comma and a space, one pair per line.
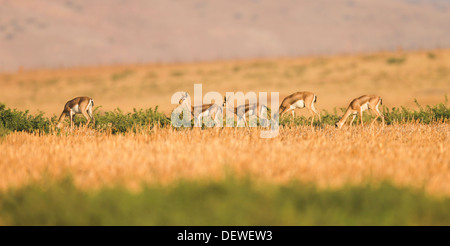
405, 154
132, 168
392, 175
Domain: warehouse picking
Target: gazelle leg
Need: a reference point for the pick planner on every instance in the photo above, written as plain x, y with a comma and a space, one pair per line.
380, 114
245, 121
315, 111
71, 119
377, 115
353, 119
91, 115
86, 115
263, 121
199, 120
312, 118
215, 119
260, 117
239, 119
360, 116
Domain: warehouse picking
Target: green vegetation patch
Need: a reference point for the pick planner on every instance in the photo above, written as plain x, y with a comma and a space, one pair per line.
118, 121
228, 202
14, 120
395, 60
121, 75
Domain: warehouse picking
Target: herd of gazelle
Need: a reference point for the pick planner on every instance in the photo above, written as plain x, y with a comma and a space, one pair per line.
84, 105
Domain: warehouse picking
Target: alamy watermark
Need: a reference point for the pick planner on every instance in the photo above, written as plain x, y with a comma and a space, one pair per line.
210, 108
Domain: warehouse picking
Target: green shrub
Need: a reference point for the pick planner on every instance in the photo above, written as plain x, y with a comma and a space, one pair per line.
121, 75
431, 55
13, 120
396, 60
119, 122
3, 131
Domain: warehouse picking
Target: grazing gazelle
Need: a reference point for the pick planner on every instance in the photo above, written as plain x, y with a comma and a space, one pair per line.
251, 109
211, 109
359, 105
304, 99
78, 105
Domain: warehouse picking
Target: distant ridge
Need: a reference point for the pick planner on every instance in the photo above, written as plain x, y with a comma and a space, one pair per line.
55, 34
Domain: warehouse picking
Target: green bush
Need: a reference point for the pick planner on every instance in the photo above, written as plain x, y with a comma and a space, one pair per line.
3, 130
395, 60
120, 122
13, 120
425, 115
121, 75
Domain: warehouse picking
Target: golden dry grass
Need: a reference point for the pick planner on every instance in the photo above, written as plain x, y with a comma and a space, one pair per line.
407, 154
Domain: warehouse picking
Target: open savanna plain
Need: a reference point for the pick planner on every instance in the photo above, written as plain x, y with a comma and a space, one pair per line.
398, 77
135, 169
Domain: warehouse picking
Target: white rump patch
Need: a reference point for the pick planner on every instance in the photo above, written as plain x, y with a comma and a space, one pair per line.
298, 104
76, 109
89, 104
364, 107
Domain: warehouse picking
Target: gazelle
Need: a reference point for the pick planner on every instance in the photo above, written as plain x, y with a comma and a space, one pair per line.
211, 109
78, 105
304, 99
251, 109
359, 105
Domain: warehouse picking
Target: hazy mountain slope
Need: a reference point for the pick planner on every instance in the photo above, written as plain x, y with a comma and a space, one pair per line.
50, 33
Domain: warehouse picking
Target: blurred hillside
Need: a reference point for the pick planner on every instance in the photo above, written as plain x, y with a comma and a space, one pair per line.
56, 34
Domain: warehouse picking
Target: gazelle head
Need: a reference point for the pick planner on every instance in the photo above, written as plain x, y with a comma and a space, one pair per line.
183, 98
